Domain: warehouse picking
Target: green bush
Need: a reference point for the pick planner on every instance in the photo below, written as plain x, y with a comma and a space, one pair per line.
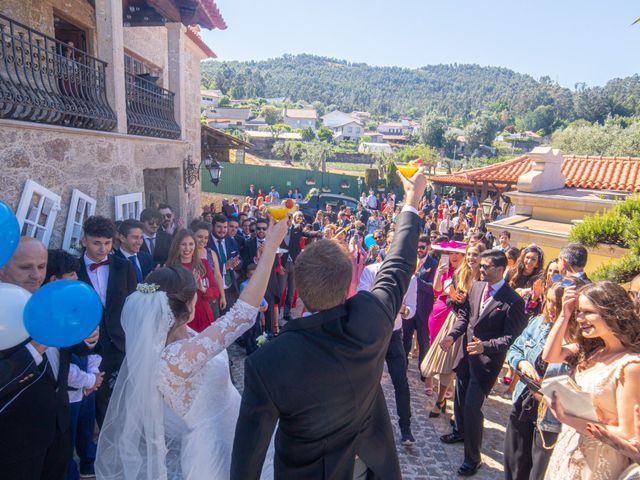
618, 226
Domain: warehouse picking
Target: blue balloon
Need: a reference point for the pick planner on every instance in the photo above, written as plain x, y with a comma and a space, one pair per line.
9, 233
369, 241
62, 313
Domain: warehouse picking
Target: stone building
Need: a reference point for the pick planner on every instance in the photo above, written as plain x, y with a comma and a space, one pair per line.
99, 109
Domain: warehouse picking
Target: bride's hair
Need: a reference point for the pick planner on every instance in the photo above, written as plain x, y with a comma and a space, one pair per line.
179, 285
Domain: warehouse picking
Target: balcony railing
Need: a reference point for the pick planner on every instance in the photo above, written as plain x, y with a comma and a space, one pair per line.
150, 109
45, 80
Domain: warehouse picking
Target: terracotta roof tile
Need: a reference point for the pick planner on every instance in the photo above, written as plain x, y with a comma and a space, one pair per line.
592, 172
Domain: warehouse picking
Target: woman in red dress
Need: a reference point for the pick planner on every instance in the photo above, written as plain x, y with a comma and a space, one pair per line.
184, 252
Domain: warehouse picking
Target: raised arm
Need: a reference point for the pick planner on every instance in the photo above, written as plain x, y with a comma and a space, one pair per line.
187, 357
555, 350
399, 264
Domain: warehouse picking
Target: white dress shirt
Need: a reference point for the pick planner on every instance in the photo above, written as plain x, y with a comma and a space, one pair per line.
81, 380
99, 277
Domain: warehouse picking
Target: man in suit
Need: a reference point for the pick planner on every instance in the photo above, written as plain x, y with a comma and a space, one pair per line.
490, 320
291, 243
169, 224
229, 258
275, 287
418, 323
233, 231
155, 242
113, 278
321, 377
131, 236
34, 404
572, 260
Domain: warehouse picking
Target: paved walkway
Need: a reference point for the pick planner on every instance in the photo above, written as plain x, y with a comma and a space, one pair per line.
429, 458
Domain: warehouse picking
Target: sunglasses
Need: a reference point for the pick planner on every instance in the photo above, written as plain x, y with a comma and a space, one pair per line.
485, 267
168, 215
422, 247
261, 229
153, 223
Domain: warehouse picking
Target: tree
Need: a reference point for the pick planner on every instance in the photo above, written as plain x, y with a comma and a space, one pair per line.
610, 139
289, 151
393, 182
325, 134
315, 155
542, 118
271, 114
276, 130
224, 101
481, 131
450, 142
308, 134
432, 130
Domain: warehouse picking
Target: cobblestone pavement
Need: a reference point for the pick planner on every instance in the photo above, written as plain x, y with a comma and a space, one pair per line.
430, 458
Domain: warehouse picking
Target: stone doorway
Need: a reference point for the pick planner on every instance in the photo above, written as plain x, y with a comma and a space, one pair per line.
162, 185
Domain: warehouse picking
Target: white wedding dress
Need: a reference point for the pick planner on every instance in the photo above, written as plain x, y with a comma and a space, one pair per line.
173, 412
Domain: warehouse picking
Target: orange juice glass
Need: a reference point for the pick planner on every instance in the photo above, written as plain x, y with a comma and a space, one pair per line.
407, 171
278, 211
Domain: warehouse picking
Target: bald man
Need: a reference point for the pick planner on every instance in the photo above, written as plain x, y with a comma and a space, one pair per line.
35, 442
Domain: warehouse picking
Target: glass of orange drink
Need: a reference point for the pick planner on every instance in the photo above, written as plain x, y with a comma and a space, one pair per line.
407, 171
280, 210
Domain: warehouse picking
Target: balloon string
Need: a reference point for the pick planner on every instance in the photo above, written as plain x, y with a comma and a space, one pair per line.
20, 392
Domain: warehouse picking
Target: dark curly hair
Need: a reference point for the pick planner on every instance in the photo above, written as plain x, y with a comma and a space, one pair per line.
102, 227
179, 285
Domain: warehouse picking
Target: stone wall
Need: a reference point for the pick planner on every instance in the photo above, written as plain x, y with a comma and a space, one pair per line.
150, 44
101, 165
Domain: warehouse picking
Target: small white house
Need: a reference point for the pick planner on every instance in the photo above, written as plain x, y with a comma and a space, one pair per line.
398, 128
300, 117
349, 130
335, 118
210, 98
371, 148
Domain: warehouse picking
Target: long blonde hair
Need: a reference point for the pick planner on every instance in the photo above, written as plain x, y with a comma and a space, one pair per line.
464, 276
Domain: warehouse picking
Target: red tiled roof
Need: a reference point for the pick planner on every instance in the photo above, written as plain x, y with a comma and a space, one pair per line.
597, 173
193, 32
213, 14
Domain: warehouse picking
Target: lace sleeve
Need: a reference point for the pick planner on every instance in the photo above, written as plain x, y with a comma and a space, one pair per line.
193, 353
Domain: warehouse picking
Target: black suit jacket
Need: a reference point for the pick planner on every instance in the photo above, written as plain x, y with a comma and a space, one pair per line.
232, 250
161, 251
122, 282
321, 379
295, 236
34, 404
146, 262
499, 324
275, 285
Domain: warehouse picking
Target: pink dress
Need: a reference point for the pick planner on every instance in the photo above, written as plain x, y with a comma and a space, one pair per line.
440, 308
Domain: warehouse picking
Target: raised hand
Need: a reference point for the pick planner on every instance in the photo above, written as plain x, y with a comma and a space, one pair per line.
414, 187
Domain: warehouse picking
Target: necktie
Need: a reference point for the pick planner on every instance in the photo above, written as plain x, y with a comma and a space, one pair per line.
132, 259
94, 266
487, 294
223, 260
152, 244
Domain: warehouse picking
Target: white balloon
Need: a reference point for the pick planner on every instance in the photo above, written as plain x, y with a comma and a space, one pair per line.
12, 302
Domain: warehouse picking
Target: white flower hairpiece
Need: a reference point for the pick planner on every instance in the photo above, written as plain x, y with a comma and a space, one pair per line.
147, 287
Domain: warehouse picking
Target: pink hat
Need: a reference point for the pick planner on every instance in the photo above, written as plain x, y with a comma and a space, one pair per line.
451, 246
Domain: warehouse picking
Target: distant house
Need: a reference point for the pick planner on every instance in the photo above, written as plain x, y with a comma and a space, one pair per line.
300, 117
370, 147
255, 123
403, 127
210, 98
362, 116
375, 137
349, 130
227, 118
336, 118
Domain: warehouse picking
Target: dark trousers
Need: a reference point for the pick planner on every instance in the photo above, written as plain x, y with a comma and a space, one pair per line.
290, 284
83, 420
467, 408
57, 458
418, 323
396, 360
110, 365
525, 457
251, 335
231, 295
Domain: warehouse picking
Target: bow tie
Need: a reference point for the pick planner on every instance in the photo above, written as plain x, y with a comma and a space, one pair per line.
94, 266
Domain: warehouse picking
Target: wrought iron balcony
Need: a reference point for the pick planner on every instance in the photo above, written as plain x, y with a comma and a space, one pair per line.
150, 109
45, 80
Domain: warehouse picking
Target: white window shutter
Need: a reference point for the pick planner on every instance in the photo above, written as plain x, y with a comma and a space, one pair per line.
37, 211
81, 207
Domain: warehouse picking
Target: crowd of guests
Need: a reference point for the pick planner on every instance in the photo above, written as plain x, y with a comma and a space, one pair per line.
475, 304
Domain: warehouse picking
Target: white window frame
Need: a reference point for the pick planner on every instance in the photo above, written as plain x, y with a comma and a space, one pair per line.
125, 203
73, 230
27, 216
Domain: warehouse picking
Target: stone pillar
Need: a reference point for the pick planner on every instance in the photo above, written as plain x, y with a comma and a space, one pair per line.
546, 171
177, 70
110, 39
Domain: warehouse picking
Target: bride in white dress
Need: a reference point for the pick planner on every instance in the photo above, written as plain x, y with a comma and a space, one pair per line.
173, 411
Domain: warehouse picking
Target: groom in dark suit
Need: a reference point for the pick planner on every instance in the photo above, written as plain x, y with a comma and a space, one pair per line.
490, 320
321, 377
113, 278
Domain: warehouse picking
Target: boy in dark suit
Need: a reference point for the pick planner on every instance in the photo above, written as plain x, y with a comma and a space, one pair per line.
321, 377
491, 319
228, 252
113, 278
131, 236
155, 241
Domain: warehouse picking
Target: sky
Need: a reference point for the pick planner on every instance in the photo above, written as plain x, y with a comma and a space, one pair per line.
571, 41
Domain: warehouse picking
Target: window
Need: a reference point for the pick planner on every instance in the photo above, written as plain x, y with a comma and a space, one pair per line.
347, 129
37, 211
81, 207
128, 206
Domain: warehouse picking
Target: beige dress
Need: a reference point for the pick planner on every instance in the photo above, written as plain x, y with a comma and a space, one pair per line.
582, 457
438, 361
